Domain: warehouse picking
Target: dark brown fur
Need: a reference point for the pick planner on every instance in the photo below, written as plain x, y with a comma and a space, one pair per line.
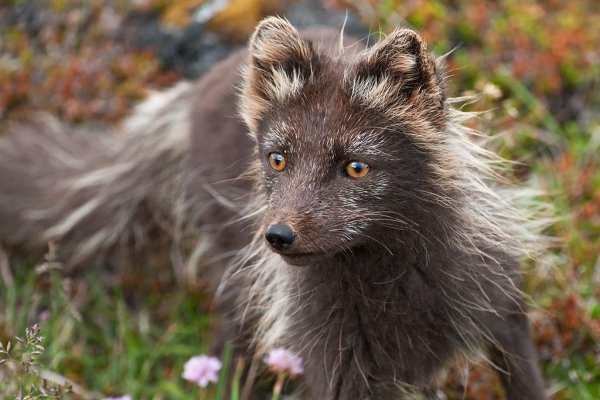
389, 287
390, 277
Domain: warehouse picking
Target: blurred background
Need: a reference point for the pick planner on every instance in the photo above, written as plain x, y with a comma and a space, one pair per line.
533, 65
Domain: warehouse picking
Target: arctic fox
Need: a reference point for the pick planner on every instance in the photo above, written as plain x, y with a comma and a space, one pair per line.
373, 240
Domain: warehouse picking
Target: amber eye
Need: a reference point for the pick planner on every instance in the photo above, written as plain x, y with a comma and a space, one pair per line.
357, 169
277, 162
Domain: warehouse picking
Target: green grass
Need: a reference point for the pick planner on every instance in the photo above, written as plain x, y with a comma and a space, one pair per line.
98, 341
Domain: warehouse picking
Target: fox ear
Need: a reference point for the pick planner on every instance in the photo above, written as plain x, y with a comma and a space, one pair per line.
280, 63
398, 71
275, 43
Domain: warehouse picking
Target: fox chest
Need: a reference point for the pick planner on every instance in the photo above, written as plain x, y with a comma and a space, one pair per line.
366, 348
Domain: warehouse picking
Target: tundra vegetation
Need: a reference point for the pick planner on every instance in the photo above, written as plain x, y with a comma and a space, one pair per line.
534, 67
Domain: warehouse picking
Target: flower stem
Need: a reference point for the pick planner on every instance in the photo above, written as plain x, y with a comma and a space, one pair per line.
203, 395
278, 386
237, 375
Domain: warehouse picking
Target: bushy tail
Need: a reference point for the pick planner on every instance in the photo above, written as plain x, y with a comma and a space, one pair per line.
92, 193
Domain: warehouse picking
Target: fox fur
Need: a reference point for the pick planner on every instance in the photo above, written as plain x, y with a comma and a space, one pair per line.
388, 276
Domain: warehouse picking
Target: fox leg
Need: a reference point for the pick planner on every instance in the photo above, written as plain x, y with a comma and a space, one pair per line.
514, 354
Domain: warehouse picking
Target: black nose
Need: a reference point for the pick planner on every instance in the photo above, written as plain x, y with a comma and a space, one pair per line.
279, 236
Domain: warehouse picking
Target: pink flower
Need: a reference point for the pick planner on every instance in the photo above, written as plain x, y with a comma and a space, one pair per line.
201, 370
126, 397
281, 360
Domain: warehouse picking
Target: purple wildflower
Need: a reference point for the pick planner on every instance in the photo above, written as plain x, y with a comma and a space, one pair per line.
126, 397
201, 370
281, 360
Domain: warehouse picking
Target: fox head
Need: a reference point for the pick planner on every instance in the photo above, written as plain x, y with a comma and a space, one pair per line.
343, 140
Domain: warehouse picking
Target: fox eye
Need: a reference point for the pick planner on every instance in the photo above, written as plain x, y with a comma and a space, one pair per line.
357, 169
277, 161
